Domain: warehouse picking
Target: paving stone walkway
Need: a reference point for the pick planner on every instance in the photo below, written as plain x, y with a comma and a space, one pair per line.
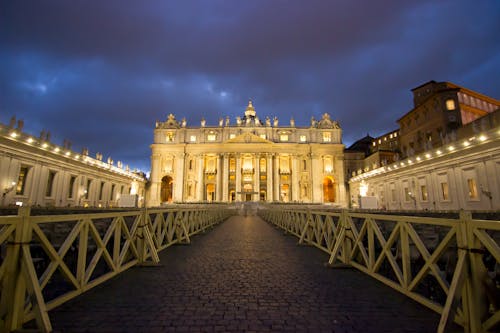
243, 276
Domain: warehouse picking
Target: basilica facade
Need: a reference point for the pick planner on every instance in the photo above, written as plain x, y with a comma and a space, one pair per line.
250, 160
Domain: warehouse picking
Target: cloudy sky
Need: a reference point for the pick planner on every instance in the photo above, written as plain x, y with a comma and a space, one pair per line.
100, 73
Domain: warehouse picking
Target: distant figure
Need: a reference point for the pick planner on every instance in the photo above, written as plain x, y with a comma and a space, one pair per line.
221, 122
292, 122
227, 120
275, 122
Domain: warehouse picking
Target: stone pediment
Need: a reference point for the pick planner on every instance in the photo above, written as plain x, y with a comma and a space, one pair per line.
248, 138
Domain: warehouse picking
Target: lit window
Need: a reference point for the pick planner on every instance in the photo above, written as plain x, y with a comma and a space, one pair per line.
379, 141
284, 137
303, 138
21, 180
423, 192
450, 104
232, 136
327, 137
170, 137
193, 138
390, 136
471, 184
395, 134
444, 191
211, 137
374, 144
263, 136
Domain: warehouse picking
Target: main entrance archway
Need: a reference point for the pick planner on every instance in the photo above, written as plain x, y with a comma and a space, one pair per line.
329, 189
166, 189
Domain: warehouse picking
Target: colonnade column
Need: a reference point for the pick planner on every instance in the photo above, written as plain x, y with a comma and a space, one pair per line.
269, 175
200, 178
295, 181
238, 177
179, 178
154, 199
317, 171
225, 178
218, 186
256, 187
339, 172
276, 178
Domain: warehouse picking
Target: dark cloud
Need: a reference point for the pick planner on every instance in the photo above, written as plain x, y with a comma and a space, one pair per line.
101, 72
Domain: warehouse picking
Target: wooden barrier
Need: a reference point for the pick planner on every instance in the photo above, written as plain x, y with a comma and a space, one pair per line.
48, 260
452, 266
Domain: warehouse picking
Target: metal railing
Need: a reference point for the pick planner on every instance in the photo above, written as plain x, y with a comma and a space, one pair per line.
48, 260
452, 266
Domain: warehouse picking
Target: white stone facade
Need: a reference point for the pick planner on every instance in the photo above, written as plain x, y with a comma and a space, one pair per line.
36, 172
464, 174
251, 160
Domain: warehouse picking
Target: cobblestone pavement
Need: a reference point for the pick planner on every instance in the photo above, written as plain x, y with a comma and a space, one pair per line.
244, 275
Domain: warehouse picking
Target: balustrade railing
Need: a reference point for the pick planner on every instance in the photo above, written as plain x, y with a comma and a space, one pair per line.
452, 266
48, 260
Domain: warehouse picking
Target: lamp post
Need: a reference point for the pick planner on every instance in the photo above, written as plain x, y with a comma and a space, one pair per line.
81, 197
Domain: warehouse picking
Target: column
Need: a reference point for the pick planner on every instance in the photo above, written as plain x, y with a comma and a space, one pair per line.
225, 178
178, 195
316, 186
154, 198
238, 177
200, 179
256, 187
294, 194
269, 175
340, 179
218, 185
276, 178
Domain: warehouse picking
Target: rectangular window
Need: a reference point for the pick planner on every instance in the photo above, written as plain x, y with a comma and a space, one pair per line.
262, 165
211, 137
263, 136
393, 194
87, 191
100, 190
407, 194
303, 138
444, 191
471, 184
50, 183
71, 186
423, 193
327, 137
192, 138
232, 136
111, 193
232, 165
450, 104
21, 180
284, 137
